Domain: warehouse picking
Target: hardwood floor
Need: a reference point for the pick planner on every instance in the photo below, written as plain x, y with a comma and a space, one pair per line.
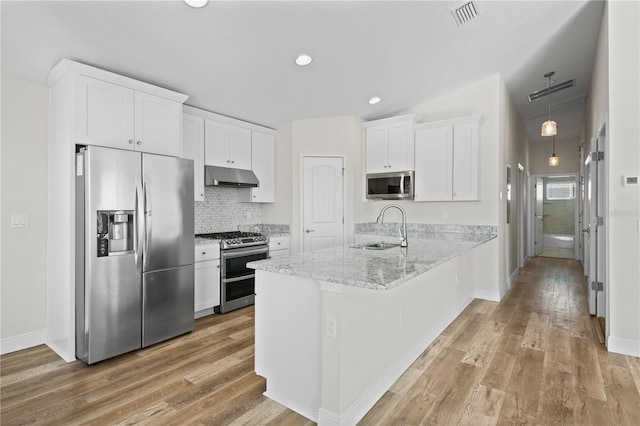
534, 358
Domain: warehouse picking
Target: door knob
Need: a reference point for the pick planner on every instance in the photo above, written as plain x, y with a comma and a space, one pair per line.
309, 230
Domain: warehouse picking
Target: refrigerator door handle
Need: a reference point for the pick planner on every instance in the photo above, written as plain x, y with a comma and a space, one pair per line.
147, 224
138, 222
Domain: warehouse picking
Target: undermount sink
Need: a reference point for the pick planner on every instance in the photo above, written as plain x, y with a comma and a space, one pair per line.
377, 246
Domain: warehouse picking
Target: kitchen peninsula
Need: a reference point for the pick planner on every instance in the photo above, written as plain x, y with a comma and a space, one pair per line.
336, 327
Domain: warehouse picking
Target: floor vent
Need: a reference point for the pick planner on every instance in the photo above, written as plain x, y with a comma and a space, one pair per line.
538, 94
465, 12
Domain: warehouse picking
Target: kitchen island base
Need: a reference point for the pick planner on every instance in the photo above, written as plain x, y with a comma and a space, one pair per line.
329, 351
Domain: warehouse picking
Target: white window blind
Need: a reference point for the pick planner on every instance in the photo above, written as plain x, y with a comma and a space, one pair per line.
561, 190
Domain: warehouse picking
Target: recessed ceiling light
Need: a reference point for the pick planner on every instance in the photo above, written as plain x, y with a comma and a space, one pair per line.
374, 100
196, 3
303, 60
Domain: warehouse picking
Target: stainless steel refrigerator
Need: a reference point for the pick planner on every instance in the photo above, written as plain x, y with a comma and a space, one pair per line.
134, 250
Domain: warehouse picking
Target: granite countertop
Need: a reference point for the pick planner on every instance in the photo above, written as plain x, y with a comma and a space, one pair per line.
374, 269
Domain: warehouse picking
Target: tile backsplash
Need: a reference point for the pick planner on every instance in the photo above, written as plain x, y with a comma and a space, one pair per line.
221, 211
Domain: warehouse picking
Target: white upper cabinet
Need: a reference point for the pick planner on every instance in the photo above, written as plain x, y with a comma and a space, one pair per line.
193, 149
227, 145
158, 124
446, 160
389, 144
112, 115
263, 164
104, 114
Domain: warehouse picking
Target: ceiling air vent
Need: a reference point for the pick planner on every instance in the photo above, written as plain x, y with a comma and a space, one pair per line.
465, 12
538, 94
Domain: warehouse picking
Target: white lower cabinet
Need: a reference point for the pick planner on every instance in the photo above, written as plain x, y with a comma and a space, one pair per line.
446, 160
279, 246
207, 278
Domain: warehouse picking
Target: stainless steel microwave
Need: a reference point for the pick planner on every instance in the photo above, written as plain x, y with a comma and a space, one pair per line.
390, 186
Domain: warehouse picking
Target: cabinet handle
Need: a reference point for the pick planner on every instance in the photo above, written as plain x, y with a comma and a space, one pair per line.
204, 252
138, 143
218, 266
309, 230
254, 196
232, 161
130, 141
228, 161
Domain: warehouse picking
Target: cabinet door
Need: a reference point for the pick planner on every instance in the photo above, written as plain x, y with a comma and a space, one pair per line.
263, 165
401, 147
465, 161
158, 125
104, 114
216, 144
193, 149
226, 145
433, 161
376, 146
207, 285
240, 148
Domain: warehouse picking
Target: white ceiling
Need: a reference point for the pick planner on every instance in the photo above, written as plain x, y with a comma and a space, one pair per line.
237, 58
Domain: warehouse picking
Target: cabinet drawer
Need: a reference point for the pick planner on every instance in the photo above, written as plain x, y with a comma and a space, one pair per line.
279, 243
207, 252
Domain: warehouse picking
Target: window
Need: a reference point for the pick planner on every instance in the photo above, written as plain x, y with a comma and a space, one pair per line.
561, 190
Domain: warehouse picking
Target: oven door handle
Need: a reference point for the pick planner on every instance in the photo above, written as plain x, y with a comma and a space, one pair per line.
232, 280
243, 252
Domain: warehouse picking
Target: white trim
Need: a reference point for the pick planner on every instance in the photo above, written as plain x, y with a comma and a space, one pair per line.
504, 288
449, 121
208, 115
23, 341
67, 66
391, 120
287, 403
623, 346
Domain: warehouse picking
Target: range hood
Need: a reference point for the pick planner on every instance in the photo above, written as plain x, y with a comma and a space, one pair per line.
224, 176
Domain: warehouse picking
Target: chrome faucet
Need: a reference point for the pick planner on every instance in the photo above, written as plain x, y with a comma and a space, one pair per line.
403, 232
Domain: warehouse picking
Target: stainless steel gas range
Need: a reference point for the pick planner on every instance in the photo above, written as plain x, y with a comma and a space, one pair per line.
237, 282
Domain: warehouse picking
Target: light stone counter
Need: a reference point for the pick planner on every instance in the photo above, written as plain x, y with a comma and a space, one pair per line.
374, 269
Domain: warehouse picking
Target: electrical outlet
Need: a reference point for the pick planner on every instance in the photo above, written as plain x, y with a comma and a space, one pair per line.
331, 326
19, 220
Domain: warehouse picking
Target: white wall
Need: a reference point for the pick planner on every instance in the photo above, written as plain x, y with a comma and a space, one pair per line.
513, 151
24, 191
324, 136
624, 158
615, 97
568, 150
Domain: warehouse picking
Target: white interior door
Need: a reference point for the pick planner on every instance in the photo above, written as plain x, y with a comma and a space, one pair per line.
323, 202
597, 231
539, 199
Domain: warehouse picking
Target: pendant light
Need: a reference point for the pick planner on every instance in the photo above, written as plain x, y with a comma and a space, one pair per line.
554, 160
549, 127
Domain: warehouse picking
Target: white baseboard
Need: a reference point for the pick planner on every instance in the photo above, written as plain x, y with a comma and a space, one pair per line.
23, 341
504, 288
290, 405
623, 346
492, 295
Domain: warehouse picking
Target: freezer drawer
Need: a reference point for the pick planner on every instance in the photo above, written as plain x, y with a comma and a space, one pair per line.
167, 304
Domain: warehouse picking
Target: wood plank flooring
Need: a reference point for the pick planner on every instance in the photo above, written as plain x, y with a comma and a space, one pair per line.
533, 358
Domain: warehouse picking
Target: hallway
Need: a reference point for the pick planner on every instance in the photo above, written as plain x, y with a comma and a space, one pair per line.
533, 358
